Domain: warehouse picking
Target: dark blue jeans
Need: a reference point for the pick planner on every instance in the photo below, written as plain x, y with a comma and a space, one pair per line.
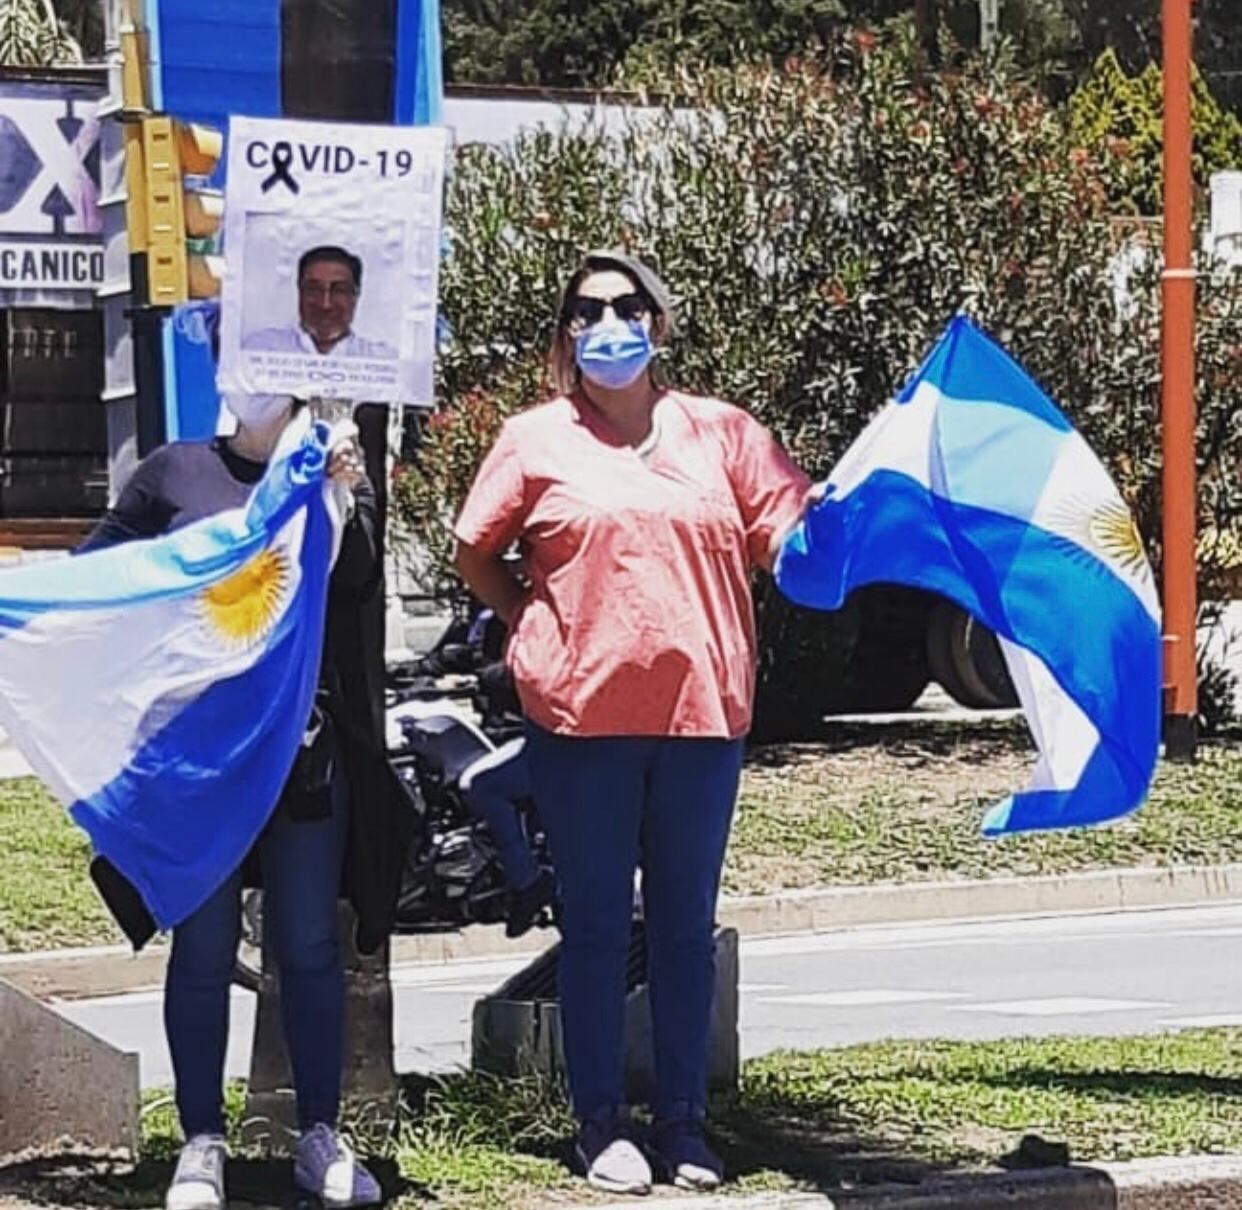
301, 863
608, 805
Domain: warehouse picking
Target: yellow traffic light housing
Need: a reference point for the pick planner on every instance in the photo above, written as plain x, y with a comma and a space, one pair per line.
165, 219
177, 216
171, 228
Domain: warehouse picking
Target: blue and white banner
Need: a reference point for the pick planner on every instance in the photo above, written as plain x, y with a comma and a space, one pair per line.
161, 688
973, 484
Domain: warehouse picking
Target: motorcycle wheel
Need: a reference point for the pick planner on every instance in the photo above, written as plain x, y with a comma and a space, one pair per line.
966, 659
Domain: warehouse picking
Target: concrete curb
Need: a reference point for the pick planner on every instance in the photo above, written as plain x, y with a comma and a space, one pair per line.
1197, 1183
107, 970
1110, 890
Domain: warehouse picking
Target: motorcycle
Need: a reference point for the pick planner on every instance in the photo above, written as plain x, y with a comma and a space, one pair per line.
448, 713
441, 732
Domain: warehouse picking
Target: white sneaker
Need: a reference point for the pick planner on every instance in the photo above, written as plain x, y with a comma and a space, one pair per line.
198, 1183
609, 1160
326, 1167
620, 1168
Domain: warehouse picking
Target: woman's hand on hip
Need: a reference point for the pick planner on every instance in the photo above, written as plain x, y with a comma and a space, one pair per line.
491, 580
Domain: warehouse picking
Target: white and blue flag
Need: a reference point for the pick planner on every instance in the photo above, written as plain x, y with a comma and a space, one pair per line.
973, 484
161, 688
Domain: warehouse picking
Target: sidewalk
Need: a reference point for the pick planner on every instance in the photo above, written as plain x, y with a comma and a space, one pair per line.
1177, 1183
1194, 1183
109, 970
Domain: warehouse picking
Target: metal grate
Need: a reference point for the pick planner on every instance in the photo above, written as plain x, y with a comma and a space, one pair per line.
538, 981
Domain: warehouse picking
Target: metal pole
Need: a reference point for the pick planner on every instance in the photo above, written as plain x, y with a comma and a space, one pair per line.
1178, 392
151, 429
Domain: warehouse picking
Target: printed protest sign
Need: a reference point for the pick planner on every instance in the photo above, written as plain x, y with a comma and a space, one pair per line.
332, 246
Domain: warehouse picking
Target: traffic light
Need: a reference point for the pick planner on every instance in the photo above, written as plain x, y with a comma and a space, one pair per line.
181, 219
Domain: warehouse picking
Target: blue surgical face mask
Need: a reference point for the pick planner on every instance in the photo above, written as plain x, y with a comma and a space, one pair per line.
613, 353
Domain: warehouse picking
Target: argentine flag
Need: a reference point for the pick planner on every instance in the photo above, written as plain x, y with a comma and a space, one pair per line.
161, 688
973, 484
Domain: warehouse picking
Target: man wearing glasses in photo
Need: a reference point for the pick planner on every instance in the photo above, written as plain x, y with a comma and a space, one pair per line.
329, 283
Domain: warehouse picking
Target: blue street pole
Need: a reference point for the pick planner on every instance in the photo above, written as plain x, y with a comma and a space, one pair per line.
419, 84
227, 58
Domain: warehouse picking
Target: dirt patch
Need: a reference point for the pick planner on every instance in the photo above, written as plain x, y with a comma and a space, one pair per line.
928, 776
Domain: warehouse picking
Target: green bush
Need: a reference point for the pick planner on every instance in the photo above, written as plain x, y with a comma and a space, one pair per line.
819, 225
1127, 112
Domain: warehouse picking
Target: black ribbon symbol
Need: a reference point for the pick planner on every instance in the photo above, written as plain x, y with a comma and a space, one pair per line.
282, 157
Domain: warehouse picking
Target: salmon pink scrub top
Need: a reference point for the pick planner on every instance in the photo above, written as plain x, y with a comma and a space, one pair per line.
639, 619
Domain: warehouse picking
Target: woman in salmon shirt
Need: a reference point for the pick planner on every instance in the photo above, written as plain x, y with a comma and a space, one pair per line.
640, 512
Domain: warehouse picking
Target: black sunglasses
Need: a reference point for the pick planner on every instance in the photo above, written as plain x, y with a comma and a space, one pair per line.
626, 307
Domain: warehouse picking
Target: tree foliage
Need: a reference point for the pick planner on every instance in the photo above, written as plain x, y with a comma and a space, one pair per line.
551, 42
1128, 111
83, 21
31, 35
562, 43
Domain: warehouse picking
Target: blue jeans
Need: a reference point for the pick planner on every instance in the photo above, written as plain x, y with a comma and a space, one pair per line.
301, 864
609, 804
493, 786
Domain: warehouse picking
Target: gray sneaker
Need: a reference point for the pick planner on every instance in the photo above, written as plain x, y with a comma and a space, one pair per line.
198, 1183
611, 1161
325, 1166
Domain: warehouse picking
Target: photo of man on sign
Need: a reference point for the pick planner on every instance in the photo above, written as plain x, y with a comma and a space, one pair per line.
332, 241
329, 284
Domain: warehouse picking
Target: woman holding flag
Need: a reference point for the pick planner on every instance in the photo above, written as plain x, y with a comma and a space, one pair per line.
640, 512
300, 853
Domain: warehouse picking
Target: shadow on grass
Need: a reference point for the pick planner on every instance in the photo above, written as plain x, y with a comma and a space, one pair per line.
935, 737
527, 1116
476, 1140
91, 1180
1141, 1085
762, 1146
765, 1146
804, 1149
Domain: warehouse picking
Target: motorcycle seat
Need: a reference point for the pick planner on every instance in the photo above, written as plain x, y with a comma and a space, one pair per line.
446, 743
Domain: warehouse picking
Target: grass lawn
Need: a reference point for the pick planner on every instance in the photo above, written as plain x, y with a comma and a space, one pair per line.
892, 804
820, 1120
46, 896
904, 804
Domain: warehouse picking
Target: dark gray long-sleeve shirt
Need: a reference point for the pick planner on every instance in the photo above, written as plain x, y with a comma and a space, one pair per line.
189, 480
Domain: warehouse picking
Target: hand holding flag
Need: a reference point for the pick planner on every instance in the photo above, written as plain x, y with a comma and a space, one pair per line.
161, 688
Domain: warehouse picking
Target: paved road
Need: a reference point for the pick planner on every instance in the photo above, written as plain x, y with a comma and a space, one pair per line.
1106, 974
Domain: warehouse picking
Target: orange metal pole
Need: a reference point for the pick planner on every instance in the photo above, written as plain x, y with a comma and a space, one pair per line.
1178, 390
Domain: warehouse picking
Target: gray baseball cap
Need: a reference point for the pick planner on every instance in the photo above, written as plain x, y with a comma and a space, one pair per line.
613, 258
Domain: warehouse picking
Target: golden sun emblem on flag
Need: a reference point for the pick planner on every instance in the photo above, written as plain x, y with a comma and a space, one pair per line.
243, 607
1111, 530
